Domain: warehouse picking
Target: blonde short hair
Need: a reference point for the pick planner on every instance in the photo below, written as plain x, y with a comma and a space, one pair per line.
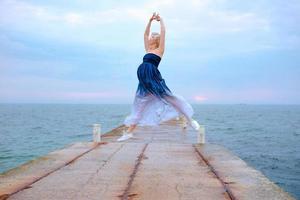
157, 37
155, 34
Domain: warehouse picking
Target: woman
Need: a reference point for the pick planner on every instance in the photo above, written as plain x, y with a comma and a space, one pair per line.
154, 102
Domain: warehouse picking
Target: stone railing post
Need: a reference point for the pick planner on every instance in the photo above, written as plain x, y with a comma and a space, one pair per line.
97, 133
201, 135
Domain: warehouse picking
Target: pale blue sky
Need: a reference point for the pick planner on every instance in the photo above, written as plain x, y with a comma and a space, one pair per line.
87, 51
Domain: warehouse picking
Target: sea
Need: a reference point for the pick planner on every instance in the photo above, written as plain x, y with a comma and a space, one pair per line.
267, 137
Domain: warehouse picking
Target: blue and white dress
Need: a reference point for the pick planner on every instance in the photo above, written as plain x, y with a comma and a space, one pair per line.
154, 102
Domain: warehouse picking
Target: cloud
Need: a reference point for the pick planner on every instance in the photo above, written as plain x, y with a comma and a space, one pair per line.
86, 46
73, 18
245, 95
200, 21
43, 96
199, 16
200, 98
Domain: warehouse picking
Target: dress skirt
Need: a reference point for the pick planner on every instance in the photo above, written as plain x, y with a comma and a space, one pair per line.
153, 101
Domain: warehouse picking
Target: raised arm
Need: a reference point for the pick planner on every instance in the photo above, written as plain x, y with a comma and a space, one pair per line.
161, 47
147, 32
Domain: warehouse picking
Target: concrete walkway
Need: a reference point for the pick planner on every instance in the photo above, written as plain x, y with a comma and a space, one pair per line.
159, 163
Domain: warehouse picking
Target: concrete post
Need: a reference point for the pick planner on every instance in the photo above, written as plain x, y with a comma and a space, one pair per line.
96, 133
184, 123
201, 135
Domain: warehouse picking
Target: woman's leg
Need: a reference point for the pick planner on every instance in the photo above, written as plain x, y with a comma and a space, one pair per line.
140, 104
131, 128
181, 106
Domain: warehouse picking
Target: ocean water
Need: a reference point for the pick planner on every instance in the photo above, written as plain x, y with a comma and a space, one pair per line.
267, 137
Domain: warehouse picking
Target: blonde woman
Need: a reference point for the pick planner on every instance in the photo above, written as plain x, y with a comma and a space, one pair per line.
154, 102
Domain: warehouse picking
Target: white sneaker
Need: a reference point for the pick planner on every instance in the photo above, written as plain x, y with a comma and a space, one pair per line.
195, 125
125, 136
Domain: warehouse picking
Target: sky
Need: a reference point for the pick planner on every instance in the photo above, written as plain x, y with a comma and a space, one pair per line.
88, 51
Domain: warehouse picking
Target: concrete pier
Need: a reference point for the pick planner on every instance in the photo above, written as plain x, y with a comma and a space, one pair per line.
164, 162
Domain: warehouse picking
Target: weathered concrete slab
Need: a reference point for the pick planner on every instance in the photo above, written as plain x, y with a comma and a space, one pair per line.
168, 132
159, 163
244, 181
175, 171
101, 174
18, 178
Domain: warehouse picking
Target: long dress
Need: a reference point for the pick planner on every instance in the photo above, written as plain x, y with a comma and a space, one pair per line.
154, 102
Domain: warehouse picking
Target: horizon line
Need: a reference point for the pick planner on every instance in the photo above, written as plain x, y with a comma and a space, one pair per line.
107, 103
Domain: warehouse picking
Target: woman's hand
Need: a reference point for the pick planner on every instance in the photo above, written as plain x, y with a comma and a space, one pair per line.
153, 16
158, 18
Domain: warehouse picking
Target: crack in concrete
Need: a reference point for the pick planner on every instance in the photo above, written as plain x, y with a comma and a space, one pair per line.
226, 188
54, 170
98, 170
126, 194
178, 192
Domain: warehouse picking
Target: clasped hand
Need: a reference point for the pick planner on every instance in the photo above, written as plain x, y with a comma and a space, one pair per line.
155, 16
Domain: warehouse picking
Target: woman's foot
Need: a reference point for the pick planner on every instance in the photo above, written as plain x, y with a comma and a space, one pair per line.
126, 135
195, 124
